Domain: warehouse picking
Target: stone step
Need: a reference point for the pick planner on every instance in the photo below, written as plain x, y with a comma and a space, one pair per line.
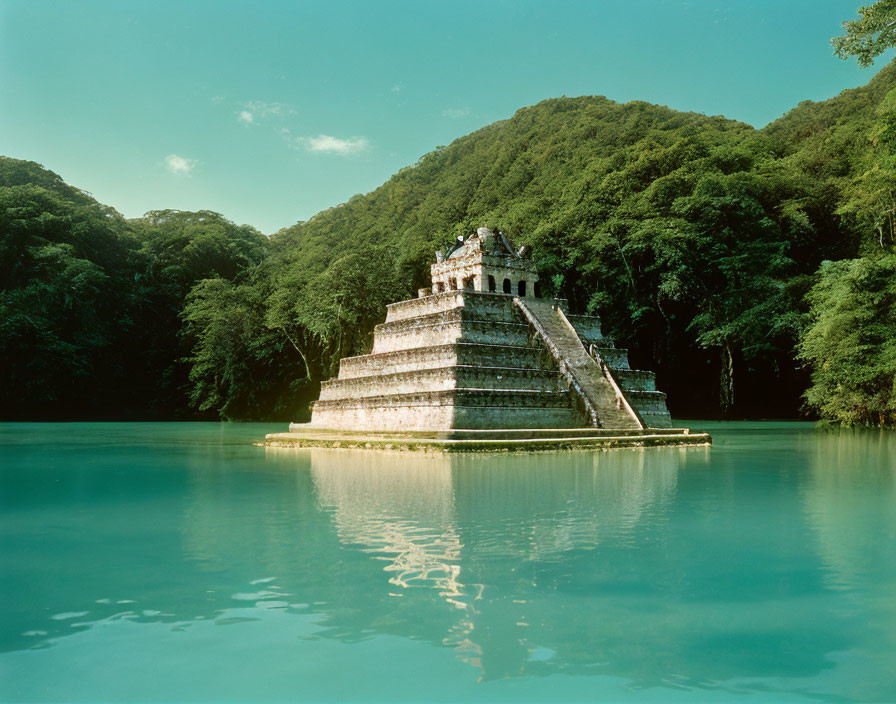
486, 434
446, 327
588, 327
614, 357
651, 406
442, 379
449, 315
635, 379
455, 408
488, 306
484, 440
587, 379
498, 398
378, 441
436, 356
469, 311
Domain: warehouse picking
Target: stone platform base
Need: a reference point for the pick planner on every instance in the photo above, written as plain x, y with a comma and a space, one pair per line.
460, 440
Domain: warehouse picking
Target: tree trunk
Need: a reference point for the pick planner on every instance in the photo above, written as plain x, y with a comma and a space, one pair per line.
726, 381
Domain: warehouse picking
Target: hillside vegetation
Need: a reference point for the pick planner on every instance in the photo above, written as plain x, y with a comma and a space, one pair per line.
701, 242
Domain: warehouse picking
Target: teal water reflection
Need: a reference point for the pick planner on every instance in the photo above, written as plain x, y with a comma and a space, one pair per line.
177, 562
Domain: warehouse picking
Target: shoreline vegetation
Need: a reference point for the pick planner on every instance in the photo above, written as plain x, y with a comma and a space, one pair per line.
754, 269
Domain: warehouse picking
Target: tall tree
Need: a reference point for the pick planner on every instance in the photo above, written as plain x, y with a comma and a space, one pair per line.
851, 342
179, 249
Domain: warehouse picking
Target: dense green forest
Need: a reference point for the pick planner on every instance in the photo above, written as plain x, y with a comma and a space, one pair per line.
754, 270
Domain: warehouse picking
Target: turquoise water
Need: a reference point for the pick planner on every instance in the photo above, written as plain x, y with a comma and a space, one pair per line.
176, 562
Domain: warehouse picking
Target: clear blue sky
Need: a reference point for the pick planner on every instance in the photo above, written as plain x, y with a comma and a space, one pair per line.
271, 111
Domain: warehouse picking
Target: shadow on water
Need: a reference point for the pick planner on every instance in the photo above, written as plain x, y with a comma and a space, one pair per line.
760, 564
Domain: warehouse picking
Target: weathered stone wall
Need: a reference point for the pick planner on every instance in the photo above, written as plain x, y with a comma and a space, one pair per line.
442, 328
651, 406
496, 307
523, 357
484, 418
485, 306
614, 357
504, 398
495, 333
385, 417
511, 269
441, 379
433, 410
416, 418
415, 307
588, 327
452, 274
409, 360
475, 266
457, 324
418, 358
657, 420
635, 379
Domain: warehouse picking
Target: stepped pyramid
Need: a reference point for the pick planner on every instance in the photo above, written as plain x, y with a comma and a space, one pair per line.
481, 350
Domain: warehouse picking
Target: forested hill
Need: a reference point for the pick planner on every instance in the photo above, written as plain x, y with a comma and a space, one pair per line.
699, 240
525, 172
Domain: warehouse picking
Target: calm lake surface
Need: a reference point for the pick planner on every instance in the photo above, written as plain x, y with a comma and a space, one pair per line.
150, 562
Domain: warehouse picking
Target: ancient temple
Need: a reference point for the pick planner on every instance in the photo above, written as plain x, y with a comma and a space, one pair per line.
481, 352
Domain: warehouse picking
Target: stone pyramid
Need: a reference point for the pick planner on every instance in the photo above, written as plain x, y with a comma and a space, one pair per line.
481, 349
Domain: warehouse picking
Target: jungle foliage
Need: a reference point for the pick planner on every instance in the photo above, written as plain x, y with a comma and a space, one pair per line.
702, 242
90, 303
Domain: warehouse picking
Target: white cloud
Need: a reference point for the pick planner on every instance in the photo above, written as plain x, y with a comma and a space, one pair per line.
256, 111
396, 88
180, 164
333, 145
325, 144
456, 114
262, 109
